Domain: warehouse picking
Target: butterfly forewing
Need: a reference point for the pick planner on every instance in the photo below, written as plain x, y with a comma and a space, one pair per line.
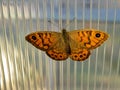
88, 39
43, 40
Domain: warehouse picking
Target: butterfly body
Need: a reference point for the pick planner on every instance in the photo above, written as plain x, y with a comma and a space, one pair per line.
75, 44
66, 39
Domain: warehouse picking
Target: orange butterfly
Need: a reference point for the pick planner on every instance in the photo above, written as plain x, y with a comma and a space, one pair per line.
75, 44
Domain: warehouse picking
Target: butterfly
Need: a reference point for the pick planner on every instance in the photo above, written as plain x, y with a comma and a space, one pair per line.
76, 44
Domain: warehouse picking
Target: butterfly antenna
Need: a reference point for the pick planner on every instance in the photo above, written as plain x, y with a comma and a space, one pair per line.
71, 23
53, 23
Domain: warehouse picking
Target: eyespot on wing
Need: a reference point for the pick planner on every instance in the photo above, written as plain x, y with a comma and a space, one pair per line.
80, 55
43, 40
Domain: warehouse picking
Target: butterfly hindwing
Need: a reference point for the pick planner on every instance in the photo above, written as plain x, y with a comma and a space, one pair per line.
57, 55
58, 50
80, 54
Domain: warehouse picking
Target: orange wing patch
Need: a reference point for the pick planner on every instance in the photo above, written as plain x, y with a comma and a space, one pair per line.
57, 55
80, 55
42, 40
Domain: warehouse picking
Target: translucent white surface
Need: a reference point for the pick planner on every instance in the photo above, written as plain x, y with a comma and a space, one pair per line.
23, 67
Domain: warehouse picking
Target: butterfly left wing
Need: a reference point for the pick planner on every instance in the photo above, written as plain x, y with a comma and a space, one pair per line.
88, 38
51, 42
43, 40
58, 50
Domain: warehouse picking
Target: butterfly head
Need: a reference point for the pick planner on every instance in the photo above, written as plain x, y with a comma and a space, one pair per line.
64, 30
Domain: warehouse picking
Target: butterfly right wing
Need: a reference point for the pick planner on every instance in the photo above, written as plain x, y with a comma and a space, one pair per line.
82, 41
78, 51
88, 38
79, 54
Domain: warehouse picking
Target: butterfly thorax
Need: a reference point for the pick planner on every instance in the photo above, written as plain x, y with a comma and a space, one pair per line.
66, 40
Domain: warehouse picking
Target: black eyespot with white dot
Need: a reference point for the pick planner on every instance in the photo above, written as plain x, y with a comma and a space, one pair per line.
52, 54
75, 56
33, 37
81, 56
60, 56
56, 56
84, 54
97, 35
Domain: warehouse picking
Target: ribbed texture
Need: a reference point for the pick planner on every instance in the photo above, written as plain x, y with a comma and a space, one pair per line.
23, 67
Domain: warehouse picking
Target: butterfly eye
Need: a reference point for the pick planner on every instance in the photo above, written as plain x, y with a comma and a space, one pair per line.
97, 35
33, 37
